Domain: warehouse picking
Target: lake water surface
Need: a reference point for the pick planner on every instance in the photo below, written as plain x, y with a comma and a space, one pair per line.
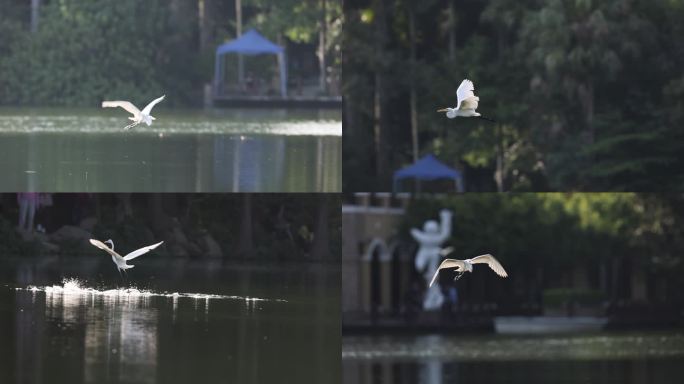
179, 321
74, 150
611, 357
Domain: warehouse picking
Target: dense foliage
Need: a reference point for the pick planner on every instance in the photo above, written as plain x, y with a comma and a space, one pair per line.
86, 51
588, 93
543, 238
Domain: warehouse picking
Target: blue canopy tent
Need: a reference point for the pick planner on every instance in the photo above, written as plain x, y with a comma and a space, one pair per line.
428, 168
250, 43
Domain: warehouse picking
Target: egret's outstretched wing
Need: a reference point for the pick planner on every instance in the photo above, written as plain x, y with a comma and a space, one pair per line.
104, 247
141, 251
492, 262
151, 105
464, 92
447, 263
123, 104
470, 103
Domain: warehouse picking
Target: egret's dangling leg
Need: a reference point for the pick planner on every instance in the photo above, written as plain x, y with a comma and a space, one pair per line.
459, 275
129, 126
487, 118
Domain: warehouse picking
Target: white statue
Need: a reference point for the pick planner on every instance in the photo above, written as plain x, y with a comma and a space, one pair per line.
428, 258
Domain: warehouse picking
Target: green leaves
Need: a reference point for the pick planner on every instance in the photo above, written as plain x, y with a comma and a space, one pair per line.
590, 92
84, 52
557, 230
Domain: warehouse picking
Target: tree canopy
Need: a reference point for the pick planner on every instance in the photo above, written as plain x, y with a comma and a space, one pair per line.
555, 233
85, 51
587, 93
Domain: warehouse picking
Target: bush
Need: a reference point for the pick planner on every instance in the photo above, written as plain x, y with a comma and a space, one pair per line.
87, 51
11, 243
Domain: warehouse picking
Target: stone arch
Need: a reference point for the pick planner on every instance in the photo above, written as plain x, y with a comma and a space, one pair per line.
375, 277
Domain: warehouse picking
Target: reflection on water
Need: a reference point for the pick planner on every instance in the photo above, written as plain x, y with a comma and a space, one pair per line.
644, 357
581, 347
76, 153
119, 325
78, 332
120, 340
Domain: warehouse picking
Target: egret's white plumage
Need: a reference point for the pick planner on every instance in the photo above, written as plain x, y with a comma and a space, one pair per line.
467, 102
119, 260
463, 266
138, 115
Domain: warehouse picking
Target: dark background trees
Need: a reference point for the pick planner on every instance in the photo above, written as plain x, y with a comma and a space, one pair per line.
624, 246
588, 93
231, 226
79, 52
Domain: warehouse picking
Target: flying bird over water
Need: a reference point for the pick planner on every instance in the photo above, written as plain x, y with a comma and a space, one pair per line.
138, 115
467, 102
463, 266
119, 260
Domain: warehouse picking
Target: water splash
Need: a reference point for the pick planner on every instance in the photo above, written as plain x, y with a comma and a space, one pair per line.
72, 286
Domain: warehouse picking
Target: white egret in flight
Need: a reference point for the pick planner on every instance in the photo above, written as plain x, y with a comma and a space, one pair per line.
138, 115
119, 260
467, 102
463, 266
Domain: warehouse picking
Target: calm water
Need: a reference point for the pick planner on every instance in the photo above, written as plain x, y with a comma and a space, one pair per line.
646, 357
66, 150
170, 322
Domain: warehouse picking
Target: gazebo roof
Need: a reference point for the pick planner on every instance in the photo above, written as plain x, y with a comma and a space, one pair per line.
249, 43
427, 168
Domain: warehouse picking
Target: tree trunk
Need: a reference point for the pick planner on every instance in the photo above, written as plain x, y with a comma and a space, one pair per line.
35, 7
321, 245
615, 279
379, 122
500, 174
246, 245
238, 33
158, 219
452, 31
377, 125
586, 96
413, 97
499, 177
124, 207
203, 24
322, 31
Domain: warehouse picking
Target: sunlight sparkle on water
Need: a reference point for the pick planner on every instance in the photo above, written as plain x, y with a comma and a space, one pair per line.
93, 124
71, 286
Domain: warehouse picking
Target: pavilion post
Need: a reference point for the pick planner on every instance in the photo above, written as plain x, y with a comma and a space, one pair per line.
217, 73
283, 74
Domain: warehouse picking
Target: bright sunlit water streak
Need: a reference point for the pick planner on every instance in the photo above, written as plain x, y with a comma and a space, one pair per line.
102, 124
72, 286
